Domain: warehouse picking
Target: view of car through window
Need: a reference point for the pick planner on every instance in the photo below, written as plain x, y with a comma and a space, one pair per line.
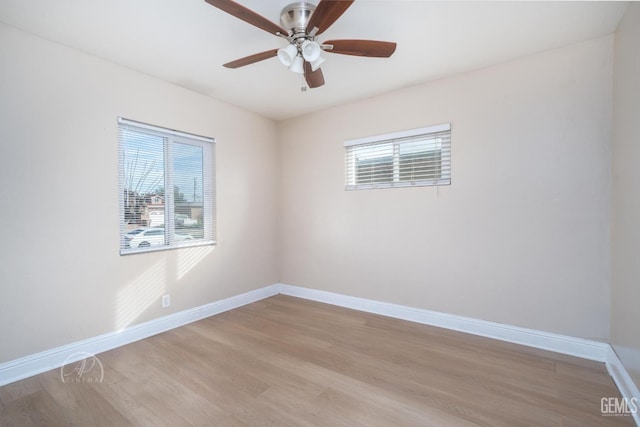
147, 237
150, 162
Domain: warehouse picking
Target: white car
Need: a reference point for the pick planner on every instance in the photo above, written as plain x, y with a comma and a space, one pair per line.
154, 237
184, 221
131, 234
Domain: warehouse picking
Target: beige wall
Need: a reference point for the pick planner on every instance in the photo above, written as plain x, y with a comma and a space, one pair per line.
61, 277
520, 237
625, 268
522, 234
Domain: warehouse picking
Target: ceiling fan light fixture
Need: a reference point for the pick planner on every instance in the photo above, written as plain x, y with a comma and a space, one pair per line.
287, 55
311, 50
297, 65
301, 22
316, 64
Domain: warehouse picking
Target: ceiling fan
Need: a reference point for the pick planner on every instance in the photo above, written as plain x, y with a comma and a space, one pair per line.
300, 24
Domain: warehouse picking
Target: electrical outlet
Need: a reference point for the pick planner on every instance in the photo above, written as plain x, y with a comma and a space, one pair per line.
166, 300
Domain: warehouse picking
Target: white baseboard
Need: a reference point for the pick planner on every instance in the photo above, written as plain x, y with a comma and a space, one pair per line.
623, 380
602, 352
28, 366
579, 347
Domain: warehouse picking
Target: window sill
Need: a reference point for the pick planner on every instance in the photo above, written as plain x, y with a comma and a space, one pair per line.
132, 251
426, 183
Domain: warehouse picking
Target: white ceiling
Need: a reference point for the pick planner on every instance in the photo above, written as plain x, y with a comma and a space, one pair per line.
187, 41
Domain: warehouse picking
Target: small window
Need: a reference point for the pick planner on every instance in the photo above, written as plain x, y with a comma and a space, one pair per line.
417, 157
166, 188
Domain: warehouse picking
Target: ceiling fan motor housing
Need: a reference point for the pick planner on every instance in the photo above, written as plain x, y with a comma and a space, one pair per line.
295, 18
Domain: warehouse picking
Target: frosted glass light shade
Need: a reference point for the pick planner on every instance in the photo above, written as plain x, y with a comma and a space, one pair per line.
311, 50
297, 66
287, 54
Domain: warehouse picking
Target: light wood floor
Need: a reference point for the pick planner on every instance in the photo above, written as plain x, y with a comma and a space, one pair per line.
286, 361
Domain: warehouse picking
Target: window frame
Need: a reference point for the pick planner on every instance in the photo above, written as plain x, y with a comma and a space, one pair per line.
395, 140
169, 137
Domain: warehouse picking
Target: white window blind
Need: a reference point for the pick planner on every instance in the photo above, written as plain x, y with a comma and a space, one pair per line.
167, 196
417, 157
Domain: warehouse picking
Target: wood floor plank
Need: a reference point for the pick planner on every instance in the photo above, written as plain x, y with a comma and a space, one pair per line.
82, 403
164, 378
285, 361
36, 409
142, 408
19, 389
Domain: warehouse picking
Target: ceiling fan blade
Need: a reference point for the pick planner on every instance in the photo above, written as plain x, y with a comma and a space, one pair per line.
314, 78
256, 57
326, 13
248, 15
369, 48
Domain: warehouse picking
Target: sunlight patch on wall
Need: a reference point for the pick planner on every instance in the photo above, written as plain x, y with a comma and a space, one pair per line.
189, 257
140, 294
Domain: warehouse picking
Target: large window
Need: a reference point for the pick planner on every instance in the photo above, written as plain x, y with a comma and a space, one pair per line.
166, 188
416, 157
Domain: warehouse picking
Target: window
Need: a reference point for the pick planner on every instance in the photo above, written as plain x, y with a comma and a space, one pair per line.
166, 188
416, 157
